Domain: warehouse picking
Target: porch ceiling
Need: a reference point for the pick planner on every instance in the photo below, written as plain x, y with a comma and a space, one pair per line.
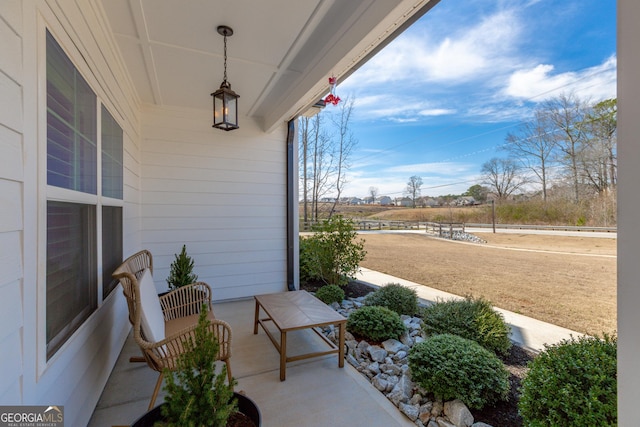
279, 58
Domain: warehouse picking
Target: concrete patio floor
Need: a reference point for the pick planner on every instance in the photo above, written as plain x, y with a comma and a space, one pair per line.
315, 393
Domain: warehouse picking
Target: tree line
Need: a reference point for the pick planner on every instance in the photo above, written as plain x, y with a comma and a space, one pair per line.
568, 143
567, 148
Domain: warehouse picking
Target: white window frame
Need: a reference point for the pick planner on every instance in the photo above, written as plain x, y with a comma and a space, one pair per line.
48, 193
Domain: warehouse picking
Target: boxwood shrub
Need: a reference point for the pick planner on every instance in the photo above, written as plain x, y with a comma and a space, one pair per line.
470, 318
572, 383
452, 367
330, 293
375, 323
395, 297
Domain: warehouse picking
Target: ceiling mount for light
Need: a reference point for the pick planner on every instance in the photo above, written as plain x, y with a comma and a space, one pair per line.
225, 101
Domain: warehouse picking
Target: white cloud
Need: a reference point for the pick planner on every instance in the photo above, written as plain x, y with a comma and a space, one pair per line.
432, 168
397, 108
539, 82
466, 54
437, 112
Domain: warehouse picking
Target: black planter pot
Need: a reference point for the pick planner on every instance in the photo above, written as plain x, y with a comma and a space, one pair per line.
245, 406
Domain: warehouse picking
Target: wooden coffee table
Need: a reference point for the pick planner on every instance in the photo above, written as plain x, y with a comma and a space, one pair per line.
295, 310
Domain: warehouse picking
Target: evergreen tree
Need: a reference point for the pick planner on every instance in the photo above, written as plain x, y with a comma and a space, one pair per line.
196, 394
181, 273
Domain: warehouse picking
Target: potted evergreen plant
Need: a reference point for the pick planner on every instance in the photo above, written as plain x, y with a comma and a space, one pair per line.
196, 393
181, 273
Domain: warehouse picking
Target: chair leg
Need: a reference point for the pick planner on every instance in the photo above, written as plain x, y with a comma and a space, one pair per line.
156, 390
229, 376
137, 359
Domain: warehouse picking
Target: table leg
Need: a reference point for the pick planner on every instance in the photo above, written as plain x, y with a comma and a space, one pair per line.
256, 318
341, 328
283, 355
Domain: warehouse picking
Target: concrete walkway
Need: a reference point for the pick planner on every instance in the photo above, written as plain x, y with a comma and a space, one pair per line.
527, 332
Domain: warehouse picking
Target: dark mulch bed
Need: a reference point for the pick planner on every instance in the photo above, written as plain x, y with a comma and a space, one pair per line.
503, 414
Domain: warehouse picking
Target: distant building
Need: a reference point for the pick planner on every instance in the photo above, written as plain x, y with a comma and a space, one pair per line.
384, 201
405, 202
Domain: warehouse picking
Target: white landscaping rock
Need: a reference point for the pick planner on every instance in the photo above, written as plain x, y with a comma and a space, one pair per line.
458, 413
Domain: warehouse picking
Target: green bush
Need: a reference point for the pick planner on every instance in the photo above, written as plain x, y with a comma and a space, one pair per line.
330, 293
332, 254
375, 323
474, 319
572, 383
452, 367
196, 392
395, 297
307, 270
181, 270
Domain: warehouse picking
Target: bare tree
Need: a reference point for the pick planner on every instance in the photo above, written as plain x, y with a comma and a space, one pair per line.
317, 167
502, 176
413, 189
533, 146
343, 147
567, 116
599, 157
373, 193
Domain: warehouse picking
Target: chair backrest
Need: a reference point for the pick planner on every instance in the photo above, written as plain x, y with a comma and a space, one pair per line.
128, 274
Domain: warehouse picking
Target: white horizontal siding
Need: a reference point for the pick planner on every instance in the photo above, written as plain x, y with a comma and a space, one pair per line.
10, 368
11, 12
75, 375
10, 342
223, 194
11, 207
11, 48
11, 105
11, 155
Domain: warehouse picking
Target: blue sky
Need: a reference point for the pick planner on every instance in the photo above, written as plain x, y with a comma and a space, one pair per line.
439, 100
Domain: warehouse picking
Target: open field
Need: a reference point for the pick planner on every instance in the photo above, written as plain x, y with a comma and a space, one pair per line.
567, 281
599, 212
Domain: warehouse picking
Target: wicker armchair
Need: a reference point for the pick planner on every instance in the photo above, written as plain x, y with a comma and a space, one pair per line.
180, 309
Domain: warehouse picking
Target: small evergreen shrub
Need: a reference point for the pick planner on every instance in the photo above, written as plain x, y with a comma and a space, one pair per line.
330, 293
395, 297
474, 319
197, 394
452, 367
572, 383
375, 323
181, 272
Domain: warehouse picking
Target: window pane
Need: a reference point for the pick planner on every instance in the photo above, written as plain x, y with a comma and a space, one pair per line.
71, 269
71, 124
111, 246
111, 156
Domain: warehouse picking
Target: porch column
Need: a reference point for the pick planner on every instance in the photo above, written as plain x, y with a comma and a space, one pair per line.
628, 212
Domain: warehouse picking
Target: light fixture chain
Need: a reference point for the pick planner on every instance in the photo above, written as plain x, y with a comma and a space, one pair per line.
225, 57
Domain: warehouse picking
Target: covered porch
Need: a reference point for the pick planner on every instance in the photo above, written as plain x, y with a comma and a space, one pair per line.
315, 393
150, 66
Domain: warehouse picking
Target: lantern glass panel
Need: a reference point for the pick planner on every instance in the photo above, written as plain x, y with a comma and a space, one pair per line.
218, 108
231, 108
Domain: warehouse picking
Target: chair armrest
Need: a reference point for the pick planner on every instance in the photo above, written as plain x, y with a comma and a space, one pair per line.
186, 300
164, 354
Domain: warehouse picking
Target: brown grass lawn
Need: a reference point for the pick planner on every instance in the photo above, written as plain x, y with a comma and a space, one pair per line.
567, 281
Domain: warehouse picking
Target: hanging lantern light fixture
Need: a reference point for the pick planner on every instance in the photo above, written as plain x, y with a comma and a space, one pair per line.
225, 101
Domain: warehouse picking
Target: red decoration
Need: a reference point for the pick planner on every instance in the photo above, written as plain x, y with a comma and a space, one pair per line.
332, 98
